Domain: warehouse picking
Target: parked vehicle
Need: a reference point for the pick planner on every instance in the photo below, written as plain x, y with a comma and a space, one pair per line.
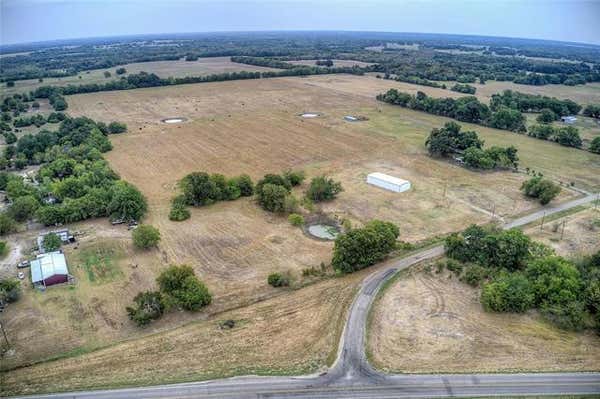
22, 264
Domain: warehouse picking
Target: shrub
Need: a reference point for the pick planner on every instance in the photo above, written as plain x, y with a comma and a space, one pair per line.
508, 293
272, 197
359, 248
147, 306
295, 178
3, 249
542, 189
245, 185
145, 236
117, 127
183, 288
568, 136
24, 208
10, 290
121, 71
296, 219
568, 316
127, 202
554, 280
454, 266
474, 275
595, 145
7, 224
278, 280
273, 179
178, 212
323, 189
546, 116
51, 242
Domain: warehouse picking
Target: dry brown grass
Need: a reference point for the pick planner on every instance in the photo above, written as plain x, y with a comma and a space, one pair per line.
581, 234
434, 323
294, 333
253, 127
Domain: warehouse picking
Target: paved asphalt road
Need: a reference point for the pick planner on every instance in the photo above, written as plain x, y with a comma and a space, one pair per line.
352, 377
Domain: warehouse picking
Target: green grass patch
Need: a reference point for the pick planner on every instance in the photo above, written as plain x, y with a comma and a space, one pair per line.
100, 263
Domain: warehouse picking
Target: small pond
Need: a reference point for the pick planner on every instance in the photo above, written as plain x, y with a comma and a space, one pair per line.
323, 231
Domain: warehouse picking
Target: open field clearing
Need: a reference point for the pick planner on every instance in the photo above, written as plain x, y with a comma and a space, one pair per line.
164, 69
253, 127
291, 334
427, 322
336, 63
581, 235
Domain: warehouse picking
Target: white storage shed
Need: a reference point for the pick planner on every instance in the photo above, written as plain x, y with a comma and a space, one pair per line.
388, 182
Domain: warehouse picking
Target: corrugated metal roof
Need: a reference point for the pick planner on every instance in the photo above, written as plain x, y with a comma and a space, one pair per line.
47, 265
388, 178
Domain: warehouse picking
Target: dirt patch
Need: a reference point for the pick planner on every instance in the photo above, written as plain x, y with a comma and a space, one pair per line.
426, 323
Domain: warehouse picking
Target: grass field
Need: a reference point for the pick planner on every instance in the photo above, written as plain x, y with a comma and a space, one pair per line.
581, 235
164, 69
254, 127
426, 322
291, 334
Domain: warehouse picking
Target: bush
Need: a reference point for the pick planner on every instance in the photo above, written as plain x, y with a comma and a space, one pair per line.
595, 145
568, 316
10, 290
145, 236
546, 116
474, 275
178, 212
508, 293
24, 208
121, 71
148, 306
568, 136
278, 280
127, 202
295, 178
183, 288
323, 189
454, 266
117, 127
359, 248
51, 242
3, 249
543, 189
296, 219
245, 185
554, 280
7, 224
272, 197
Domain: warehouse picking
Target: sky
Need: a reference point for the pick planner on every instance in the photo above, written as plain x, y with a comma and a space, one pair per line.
38, 20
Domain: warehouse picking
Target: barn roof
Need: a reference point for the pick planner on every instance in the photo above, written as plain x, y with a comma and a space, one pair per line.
47, 265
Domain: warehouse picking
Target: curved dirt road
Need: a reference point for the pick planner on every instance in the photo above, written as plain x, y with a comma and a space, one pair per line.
352, 377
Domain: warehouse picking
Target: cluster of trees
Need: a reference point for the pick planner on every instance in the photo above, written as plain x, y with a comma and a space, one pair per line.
201, 189
363, 247
464, 88
414, 80
74, 182
325, 63
525, 275
566, 135
10, 290
450, 140
179, 288
595, 145
533, 103
274, 192
592, 110
543, 189
465, 109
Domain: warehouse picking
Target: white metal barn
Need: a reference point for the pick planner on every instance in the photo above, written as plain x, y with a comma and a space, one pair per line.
388, 182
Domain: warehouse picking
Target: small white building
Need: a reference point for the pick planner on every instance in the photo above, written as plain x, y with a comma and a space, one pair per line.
388, 182
568, 119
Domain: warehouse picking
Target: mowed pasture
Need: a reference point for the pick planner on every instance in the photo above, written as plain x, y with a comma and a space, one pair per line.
426, 322
164, 69
254, 127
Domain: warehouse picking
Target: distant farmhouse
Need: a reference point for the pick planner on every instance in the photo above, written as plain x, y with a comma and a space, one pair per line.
49, 269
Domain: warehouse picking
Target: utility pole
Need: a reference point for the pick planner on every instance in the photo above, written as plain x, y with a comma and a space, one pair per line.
562, 233
494, 211
543, 217
4, 333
